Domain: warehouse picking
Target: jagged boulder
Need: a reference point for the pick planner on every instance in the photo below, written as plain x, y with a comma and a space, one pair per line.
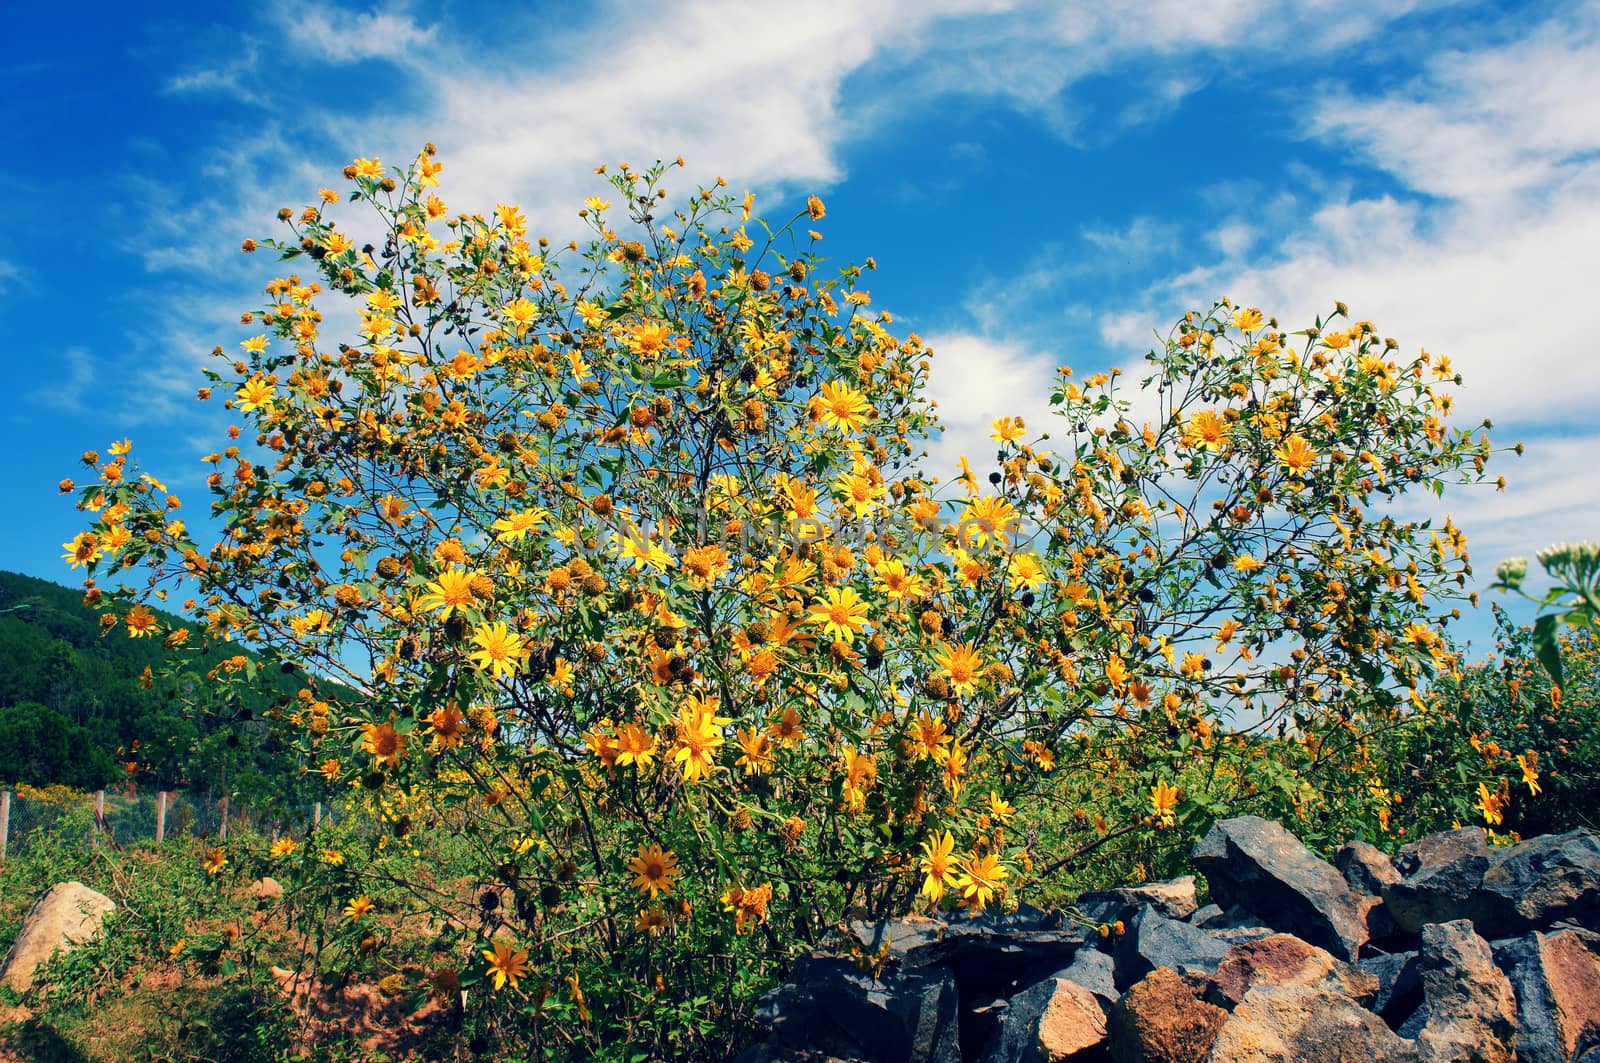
1161, 1020
69, 915
1152, 940
1258, 865
1539, 881
830, 1006
1556, 979
1049, 1022
1440, 874
1470, 1014
1285, 960
1304, 1024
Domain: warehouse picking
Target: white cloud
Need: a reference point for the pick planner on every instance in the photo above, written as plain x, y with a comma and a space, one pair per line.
342, 36
1488, 255
976, 380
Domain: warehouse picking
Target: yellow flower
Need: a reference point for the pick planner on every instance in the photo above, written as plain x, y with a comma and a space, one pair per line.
83, 548
815, 209
635, 745
1248, 320
1000, 808
1296, 453
1007, 430
699, 736
1247, 564
842, 407
357, 908
505, 965
654, 869
979, 879
961, 665
1529, 763
385, 743
1163, 800
988, 518
500, 651
140, 621
748, 905
937, 866
1206, 431
842, 614
257, 393
283, 847
215, 861
448, 726
451, 591
755, 752
1024, 572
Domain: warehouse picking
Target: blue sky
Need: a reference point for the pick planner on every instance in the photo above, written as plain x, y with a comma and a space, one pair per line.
1040, 183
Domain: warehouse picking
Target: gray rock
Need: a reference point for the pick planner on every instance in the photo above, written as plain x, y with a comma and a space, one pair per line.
1399, 977
1539, 881
1365, 867
1028, 936
70, 914
1471, 1014
1441, 873
1174, 898
1304, 1024
1054, 1020
1096, 972
830, 1006
1256, 864
1152, 940
1556, 979
1205, 916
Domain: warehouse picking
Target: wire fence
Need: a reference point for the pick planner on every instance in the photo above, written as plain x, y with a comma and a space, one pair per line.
128, 816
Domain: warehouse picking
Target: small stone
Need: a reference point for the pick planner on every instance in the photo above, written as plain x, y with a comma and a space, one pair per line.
1174, 898
831, 1006
1256, 864
69, 915
1096, 972
266, 889
1160, 1020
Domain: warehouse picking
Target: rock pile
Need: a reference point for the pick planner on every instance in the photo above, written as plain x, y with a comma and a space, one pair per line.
1452, 952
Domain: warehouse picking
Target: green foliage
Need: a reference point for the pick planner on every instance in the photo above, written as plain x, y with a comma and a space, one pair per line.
77, 708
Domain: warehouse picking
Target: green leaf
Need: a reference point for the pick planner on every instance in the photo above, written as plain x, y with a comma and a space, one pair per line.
1546, 645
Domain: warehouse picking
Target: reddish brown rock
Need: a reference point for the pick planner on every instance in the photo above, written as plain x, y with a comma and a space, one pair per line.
1304, 1024
1556, 979
1162, 1020
1285, 960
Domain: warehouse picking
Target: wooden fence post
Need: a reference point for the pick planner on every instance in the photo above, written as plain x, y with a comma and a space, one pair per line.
316, 815
100, 809
5, 820
222, 832
161, 816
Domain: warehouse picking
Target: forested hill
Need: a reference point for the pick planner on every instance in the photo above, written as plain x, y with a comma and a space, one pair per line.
71, 699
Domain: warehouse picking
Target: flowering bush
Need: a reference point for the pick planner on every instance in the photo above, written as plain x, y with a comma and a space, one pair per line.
648, 603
